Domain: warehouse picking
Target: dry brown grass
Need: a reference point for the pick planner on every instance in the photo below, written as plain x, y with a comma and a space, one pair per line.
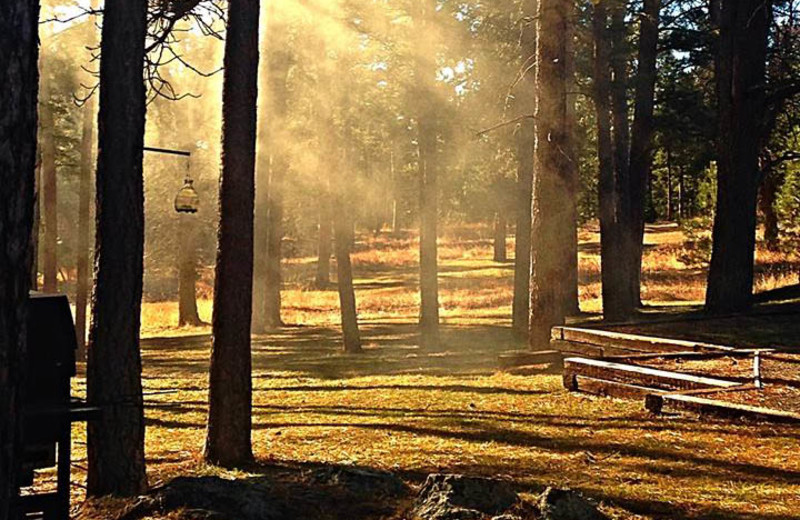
402, 409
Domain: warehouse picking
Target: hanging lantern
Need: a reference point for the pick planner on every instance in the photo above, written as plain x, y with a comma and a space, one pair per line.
187, 200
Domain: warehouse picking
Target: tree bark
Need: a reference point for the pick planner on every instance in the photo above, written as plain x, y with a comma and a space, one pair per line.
740, 78
36, 222
612, 220
393, 193
323, 278
621, 136
19, 76
116, 440
49, 191
260, 240
499, 241
681, 185
344, 278
551, 228
84, 223
522, 245
261, 208
228, 440
669, 192
525, 155
187, 273
272, 304
278, 60
571, 292
641, 154
769, 195
428, 182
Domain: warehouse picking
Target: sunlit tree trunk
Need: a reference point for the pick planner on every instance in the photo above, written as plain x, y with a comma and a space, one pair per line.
392, 176
551, 228
19, 79
261, 233
344, 277
525, 144
522, 244
325, 233
116, 439
272, 304
187, 273
49, 191
230, 384
740, 78
499, 241
261, 207
424, 73
84, 223
641, 155
278, 61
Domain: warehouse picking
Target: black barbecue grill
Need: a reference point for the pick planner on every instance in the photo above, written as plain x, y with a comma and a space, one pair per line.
48, 408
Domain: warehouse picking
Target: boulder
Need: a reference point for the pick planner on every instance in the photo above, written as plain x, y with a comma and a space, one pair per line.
361, 481
565, 504
211, 498
457, 497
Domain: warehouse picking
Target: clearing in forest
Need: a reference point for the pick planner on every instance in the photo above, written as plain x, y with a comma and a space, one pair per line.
397, 408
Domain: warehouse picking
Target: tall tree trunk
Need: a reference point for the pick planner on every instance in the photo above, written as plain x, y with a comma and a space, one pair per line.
344, 278
551, 228
228, 440
393, 194
571, 292
499, 241
522, 244
614, 283
525, 155
19, 76
740, 77
49, 190
621, 136
83, 275
619, 99
84, 222
37, 183
681, 185
261, 231
272, 303
641, 155
116, 440
323, 278
277, 65
261, 208
187, 273
669, 192
428, 182
769, 195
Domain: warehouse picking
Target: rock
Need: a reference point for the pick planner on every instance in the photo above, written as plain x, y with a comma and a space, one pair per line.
564, 504
456, 497
362, 481
209, 498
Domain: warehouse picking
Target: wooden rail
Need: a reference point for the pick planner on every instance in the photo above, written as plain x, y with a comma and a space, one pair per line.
706, 406
601, 343
651, 378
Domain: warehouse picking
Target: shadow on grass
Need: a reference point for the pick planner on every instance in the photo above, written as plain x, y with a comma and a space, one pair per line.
311, 354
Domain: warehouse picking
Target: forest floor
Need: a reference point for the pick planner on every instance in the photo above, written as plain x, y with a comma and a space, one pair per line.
397, 408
